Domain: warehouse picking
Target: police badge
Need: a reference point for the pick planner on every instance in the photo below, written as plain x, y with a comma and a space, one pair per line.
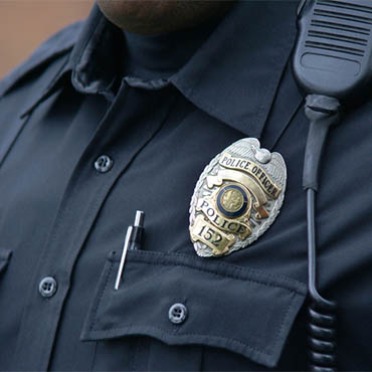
236, 199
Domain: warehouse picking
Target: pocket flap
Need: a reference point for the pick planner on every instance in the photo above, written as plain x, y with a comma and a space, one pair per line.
245, 311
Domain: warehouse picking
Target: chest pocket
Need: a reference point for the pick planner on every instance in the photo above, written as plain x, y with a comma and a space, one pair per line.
186, 305
5, 255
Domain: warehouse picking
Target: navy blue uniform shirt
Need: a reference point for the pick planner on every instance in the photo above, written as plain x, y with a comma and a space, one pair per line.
63, 215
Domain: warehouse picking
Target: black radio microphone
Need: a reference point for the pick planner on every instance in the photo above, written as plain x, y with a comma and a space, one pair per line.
333, 54
333, 65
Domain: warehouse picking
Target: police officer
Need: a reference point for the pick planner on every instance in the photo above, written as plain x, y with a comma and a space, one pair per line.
123, 112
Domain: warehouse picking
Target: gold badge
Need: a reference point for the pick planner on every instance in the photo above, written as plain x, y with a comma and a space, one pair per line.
238, 196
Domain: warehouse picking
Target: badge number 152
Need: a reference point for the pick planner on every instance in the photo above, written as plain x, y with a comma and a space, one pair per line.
204, 232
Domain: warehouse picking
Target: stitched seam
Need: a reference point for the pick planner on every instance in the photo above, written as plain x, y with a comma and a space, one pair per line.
7, 87
14, 139
166, 333
284, 320
99, 297
224, 275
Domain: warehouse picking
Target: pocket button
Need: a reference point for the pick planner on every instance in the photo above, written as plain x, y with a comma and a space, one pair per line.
177, 313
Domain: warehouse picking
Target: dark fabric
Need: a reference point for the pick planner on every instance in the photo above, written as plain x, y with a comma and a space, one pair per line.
155, 281
5, 255
61, 218
160, 56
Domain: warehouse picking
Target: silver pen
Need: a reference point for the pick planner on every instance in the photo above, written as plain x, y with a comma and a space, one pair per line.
132, 240
123, 257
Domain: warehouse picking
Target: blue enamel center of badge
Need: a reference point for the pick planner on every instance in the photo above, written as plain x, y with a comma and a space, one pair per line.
232, 201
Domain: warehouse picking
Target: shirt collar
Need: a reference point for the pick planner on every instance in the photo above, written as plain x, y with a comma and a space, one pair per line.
94, 60
233, 77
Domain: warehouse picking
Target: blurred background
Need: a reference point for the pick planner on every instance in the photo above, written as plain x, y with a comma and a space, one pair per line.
24, 24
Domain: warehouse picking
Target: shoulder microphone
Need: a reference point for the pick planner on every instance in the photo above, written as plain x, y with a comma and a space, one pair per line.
333, 65
333, 55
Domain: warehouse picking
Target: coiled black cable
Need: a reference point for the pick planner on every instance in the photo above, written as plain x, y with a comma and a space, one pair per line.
323, 112
322, 333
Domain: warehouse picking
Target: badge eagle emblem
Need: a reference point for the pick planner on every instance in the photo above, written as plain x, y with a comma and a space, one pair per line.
236, 199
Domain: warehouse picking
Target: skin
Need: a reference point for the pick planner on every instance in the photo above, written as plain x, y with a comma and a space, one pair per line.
149, 17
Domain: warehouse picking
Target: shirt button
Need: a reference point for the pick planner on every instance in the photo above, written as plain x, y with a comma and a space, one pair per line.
103, 164
47, 287
177, 313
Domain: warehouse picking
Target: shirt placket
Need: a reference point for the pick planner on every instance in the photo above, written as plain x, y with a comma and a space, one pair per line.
123, 132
